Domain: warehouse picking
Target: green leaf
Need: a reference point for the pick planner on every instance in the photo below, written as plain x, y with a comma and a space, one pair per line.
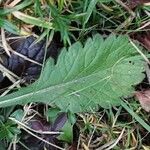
8, 130
71, 118
18, 114
52, 114
98, 73
67, 133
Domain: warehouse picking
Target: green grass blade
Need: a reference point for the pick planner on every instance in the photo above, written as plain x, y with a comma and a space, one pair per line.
89, 10
9, 26
137, 118
18, 7
32, 20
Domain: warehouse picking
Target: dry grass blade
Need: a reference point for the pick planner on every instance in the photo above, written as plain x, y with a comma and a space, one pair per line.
85, 146
106, 145
129, 19
14, 3
16, 84
140, 52
147, 4
4, 42
113, 144
10, 75
126, 7
40, 132
26, 111
25, 57
95, 127
22, 56
144, 26
27, 129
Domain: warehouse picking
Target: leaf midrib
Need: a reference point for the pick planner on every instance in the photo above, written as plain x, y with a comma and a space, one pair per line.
50, 88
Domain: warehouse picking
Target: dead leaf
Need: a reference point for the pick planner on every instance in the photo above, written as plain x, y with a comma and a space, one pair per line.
144, 99
144, 39
134, 3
